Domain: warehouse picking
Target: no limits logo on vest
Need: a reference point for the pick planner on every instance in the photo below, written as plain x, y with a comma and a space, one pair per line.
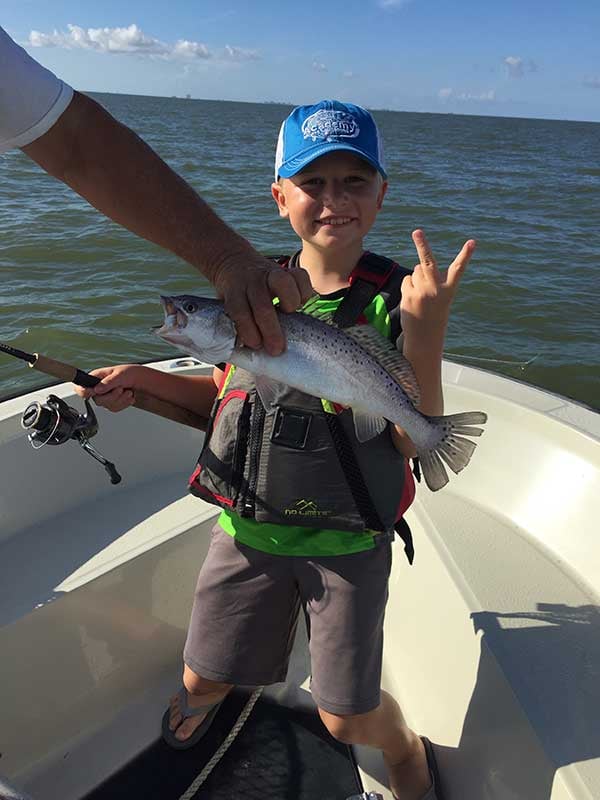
305, 508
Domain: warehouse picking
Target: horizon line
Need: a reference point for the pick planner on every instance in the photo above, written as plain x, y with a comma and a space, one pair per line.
188, 97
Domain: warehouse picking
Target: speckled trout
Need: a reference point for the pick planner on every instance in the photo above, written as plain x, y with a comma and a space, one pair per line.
355, 367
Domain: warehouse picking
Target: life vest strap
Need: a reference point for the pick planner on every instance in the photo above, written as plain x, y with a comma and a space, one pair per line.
353, 474
404, 532
367, 279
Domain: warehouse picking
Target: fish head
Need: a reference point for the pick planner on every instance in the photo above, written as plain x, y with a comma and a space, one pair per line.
198, 325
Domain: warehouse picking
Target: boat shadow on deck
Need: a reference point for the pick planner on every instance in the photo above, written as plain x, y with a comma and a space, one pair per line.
552, 666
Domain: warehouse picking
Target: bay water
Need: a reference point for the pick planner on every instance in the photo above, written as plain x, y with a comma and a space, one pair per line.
79, 288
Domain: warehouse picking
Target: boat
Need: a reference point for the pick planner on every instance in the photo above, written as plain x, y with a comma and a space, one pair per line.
492, 636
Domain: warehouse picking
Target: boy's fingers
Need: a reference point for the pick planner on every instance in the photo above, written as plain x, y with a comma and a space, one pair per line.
426, 257
458, 266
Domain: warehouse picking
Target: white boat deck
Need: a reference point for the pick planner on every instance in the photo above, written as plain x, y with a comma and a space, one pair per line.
492, 637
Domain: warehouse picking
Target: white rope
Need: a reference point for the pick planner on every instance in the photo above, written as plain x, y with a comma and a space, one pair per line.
208, 768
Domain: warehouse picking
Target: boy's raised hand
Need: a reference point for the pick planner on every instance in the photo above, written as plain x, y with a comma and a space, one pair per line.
427, 294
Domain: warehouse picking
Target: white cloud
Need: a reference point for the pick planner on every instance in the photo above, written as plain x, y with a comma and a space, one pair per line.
318, 66
516, 66
452, 94
240, 54
104, 40
185, 49
133, 40
349, 75
592, 82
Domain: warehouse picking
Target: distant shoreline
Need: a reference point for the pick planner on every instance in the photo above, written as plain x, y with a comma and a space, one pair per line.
290, 104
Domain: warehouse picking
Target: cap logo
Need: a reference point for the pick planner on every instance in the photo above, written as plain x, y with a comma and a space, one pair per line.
329, 125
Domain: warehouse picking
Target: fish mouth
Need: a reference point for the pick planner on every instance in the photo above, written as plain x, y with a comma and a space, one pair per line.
175, 318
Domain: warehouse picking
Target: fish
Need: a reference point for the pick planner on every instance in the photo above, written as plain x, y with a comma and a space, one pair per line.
355, 367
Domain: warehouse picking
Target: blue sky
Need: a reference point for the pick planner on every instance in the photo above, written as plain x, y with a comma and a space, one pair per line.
524, 58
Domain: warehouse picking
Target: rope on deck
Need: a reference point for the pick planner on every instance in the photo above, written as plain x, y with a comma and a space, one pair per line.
210, 765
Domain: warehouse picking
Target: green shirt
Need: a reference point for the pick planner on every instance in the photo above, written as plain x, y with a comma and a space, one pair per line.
291, 540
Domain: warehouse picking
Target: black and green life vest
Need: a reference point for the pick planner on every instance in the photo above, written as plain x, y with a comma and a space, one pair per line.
302, 464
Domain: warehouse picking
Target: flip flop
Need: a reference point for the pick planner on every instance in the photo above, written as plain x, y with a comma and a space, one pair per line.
435, 790
186, 712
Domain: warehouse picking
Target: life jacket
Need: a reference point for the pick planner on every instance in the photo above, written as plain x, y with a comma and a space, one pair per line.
302, 464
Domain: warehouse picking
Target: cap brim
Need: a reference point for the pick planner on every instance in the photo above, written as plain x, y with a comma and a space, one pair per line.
293, 166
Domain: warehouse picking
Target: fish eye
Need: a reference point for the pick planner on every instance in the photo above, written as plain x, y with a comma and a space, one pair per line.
190, 307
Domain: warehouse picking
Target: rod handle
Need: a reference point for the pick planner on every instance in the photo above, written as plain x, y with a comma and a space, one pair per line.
65, 372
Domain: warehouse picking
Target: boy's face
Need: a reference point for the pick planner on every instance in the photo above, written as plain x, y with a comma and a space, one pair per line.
333, 202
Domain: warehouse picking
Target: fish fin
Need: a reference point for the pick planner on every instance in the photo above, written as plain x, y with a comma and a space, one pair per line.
269, 391
454, 449
366, 426
388, 356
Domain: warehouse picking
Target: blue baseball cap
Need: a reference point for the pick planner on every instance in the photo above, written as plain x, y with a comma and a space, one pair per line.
311, 131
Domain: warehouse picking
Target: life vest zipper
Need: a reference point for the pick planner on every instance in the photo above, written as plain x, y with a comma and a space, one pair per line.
256, 433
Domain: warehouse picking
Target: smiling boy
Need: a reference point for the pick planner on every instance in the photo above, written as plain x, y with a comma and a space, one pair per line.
330, 184
265, 564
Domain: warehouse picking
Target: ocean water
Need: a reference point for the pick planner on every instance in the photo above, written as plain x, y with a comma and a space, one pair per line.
79, 288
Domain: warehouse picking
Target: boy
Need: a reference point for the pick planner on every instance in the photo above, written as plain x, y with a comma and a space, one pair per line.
330, 184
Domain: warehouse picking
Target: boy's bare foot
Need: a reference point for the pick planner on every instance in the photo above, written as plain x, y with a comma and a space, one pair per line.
410, 779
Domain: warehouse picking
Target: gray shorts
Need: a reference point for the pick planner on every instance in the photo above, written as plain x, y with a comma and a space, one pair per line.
246, 609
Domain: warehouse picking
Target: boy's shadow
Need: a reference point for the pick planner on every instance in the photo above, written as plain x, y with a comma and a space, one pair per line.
550, 659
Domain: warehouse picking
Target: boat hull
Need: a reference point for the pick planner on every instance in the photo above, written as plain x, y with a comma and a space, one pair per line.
491, 639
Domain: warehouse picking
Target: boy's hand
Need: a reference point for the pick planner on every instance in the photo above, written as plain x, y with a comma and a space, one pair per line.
248, 289
427, 294
116, 391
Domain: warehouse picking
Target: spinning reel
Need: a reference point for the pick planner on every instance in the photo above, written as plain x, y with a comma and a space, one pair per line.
55, 422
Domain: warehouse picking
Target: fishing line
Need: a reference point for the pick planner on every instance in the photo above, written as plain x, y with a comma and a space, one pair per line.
522, 365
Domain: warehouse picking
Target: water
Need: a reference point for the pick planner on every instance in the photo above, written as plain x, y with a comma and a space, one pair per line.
79, 288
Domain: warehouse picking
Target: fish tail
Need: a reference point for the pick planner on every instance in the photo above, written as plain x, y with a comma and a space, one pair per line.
453, 448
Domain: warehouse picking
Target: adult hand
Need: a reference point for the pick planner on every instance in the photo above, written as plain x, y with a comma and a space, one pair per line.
121, 176
116, 390
248, 285
428, 293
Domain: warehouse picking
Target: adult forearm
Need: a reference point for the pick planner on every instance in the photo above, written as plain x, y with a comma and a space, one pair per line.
120, 175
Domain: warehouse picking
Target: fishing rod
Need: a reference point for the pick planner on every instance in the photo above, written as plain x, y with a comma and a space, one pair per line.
55, 422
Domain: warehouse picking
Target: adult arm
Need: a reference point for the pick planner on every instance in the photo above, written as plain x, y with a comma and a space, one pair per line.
119, 174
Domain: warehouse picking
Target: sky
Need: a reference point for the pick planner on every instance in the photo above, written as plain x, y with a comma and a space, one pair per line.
515, 58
